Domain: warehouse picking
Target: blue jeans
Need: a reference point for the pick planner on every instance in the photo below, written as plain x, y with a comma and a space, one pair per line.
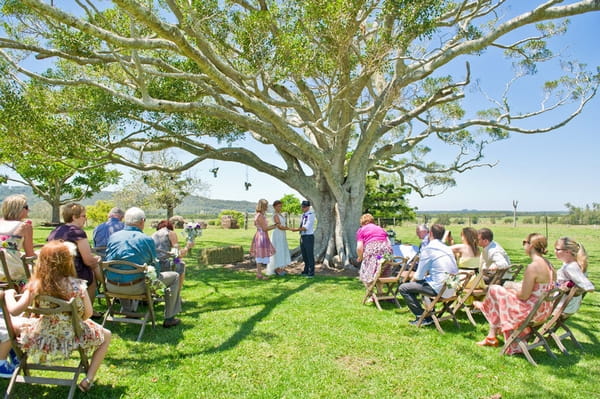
409, 292
307, 246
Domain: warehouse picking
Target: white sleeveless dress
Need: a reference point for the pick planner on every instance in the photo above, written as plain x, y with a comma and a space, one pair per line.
282, 255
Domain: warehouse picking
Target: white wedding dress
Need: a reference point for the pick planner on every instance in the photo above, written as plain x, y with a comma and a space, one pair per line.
282, 251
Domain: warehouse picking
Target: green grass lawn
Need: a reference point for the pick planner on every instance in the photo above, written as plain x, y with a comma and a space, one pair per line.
293, 337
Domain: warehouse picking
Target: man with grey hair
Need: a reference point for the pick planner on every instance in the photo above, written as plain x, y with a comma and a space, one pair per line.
423, 234
106, 229
133, 245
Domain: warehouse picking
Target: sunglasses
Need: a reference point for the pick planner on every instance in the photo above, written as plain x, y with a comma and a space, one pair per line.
526, 242
26, 207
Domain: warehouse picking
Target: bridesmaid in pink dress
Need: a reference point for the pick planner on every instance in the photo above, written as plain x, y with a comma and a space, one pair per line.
505, 307
261, 247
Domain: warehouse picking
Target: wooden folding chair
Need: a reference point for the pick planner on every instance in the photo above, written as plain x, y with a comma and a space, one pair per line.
445, 312
528, 330
46, 373
10, 281
509, 274
120, 316
386, 288
476, 290
557, 322
28, 264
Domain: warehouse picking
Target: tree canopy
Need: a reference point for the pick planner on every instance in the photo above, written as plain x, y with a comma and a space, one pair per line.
336, 89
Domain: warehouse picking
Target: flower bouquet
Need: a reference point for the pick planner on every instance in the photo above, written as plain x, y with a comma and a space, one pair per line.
453, 281
156, 286
6, 243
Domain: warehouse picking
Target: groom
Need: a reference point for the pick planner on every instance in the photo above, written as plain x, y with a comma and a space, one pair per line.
307, 239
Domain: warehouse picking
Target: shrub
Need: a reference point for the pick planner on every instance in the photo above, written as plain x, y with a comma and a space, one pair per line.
98, 212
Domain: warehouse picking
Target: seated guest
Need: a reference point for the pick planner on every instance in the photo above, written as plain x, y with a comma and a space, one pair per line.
573, 270
506, 307
467, 251
133, 245
372, 244
435, 263
86, 263
422, 232
49, 335
16, 233
104, 230
493, 256
167, 246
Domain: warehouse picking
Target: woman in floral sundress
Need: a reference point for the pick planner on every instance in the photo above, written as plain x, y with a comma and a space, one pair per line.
506, 307
261, 247
52, 336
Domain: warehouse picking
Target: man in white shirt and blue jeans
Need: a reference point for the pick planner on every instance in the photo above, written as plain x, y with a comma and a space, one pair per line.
435, 263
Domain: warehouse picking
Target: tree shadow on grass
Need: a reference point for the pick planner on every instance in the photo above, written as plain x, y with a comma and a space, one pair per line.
247, 327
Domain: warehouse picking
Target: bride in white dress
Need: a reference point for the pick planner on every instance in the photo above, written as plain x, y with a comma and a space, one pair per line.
282, 258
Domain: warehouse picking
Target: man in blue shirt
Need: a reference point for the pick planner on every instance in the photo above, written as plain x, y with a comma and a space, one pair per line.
133, 245
106, 229
436, 261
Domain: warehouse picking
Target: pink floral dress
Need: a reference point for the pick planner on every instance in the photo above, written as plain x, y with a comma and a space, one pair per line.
261, 247
504, 311
53, 336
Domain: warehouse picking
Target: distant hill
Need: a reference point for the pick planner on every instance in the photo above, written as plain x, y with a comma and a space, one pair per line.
191, 206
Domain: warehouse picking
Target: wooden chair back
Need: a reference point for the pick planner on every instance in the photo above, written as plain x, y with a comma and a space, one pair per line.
386, 288
446, 302
529, 329
120, 316
46, 372
10, 281
509, 274
558, 319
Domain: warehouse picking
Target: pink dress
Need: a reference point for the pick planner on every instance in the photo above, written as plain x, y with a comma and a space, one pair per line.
375, 245
261, 247
504, 311
52, 336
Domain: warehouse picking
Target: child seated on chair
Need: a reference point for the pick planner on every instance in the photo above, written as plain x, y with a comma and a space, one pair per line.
47, 336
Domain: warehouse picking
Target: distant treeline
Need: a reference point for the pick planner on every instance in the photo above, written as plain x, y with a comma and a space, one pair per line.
202, 208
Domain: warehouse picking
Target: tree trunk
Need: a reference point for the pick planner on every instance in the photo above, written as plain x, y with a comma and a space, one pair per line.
55, 213
337, 222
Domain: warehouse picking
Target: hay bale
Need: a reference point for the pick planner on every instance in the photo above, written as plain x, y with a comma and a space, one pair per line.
221, 255
177, 221
229, 222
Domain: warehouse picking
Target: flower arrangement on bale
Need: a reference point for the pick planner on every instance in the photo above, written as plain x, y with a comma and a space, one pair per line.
156, 286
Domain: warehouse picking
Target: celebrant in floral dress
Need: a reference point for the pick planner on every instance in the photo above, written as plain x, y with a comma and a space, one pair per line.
506, 307
261, 247
372, 245
52, 335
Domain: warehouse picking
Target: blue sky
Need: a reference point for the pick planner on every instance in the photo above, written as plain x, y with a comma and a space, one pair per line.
542, 172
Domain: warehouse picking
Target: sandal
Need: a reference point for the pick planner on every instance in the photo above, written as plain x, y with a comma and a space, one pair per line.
488, 341
261, 277
85, 385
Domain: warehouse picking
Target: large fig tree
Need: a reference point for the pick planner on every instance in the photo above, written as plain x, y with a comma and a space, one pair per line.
335, 88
